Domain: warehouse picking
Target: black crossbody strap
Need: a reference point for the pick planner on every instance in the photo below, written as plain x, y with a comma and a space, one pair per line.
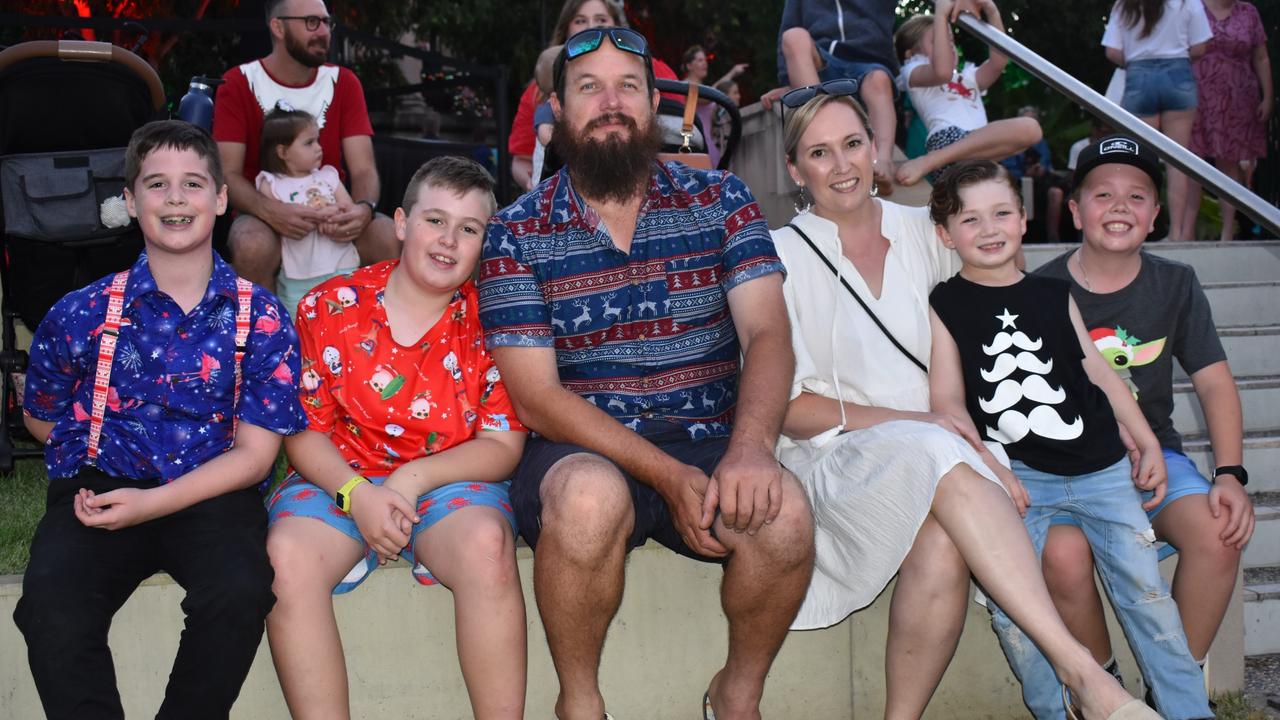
855, 295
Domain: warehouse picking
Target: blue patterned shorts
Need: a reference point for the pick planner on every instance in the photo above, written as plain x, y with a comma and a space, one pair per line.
946, 136
296, 497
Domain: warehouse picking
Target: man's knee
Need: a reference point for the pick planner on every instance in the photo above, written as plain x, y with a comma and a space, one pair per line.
586, 499
378, 241
788, 540
253, 241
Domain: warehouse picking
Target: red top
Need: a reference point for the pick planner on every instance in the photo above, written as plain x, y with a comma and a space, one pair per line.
334, 97
385, 403
520, 141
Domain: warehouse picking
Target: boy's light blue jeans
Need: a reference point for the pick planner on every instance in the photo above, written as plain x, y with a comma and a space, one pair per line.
1109, 509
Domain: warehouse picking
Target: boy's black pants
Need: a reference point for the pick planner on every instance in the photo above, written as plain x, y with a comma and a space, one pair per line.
79, 577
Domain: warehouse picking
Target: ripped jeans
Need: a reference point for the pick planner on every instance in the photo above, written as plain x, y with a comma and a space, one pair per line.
1109, 509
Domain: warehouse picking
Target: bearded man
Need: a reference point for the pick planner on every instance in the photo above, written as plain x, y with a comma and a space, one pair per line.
296, 76
618, 297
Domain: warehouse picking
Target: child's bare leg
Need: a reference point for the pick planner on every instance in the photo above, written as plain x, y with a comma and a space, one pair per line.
933, 583
876, 91
472, 552
994, 141
1068, 572
1177, 125
1206, 574
309, 558
982, 522
801, 57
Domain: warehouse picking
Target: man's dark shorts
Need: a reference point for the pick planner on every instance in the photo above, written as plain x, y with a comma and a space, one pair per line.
653, 518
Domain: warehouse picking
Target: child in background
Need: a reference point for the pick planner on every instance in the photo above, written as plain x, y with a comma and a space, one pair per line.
722, 121
160, 395
1011, 356
543, 118
950, 100
291, 160
1142, 311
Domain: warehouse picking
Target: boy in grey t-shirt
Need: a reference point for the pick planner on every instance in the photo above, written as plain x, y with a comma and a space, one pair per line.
1143, 311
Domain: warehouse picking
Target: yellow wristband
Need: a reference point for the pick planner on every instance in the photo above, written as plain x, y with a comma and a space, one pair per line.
343, 496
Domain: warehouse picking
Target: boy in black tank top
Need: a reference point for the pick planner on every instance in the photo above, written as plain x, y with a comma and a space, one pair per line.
1010, 354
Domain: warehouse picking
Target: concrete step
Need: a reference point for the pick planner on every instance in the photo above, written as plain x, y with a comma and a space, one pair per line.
1252, 350
1243, 303
1214, 262
1259, 399
1263, 549
1261, 456
1262, 610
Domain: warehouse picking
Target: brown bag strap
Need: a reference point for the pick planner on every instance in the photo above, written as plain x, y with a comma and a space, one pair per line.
690, 111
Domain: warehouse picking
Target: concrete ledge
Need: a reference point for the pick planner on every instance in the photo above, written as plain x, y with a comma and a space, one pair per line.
668, 638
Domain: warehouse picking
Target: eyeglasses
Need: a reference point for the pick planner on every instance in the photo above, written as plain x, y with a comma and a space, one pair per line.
588, 41
313, 21
800, 96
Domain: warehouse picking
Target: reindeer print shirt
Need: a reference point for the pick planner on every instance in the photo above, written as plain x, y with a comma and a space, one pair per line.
1025, 386
1141, 328
169, 403
383, 403
645, 334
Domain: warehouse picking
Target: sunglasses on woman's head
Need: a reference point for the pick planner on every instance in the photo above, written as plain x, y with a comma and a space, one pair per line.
800, 96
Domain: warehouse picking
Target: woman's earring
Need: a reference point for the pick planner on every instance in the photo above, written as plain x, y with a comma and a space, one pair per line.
875, 188
804, 202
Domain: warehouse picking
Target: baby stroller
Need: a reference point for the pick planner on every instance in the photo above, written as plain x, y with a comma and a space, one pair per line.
67, 110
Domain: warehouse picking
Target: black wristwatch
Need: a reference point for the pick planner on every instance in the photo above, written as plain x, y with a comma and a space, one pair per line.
1237, 471
373, 207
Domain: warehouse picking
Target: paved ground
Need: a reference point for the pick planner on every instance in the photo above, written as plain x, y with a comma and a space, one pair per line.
1262, 682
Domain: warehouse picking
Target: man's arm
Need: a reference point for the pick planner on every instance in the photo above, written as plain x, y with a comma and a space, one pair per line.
288, 220
352, 217
542, 404
749, 478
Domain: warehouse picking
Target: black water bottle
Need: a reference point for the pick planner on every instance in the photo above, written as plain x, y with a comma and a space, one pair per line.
196, 107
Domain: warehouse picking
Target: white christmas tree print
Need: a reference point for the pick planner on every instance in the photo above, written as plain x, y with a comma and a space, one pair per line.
1012, 425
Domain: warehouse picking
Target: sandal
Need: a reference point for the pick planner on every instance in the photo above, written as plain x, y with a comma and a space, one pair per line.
708, 713
1133, 710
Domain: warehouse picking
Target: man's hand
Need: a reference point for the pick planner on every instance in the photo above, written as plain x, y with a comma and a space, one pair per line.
749, 481
346, 224
116, 509
691, 497
294, 221
375, 508
1229, 495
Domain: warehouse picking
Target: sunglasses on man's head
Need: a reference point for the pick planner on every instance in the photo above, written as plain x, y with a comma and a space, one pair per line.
800, 96
312, 21
588, 41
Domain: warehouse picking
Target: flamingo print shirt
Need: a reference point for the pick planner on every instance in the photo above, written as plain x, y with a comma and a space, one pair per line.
169, 403
383, 403
645, 334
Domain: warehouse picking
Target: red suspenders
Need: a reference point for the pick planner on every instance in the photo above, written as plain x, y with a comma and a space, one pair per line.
107, 351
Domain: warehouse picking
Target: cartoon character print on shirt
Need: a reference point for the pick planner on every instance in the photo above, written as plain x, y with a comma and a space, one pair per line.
1005, 391
387, 381
1123, 351
346, 297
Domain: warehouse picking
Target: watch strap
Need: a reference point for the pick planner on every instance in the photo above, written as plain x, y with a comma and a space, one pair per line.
343, 496
373, 207
1236, 471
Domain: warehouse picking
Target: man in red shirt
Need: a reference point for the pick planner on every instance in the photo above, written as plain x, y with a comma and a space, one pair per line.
296, 74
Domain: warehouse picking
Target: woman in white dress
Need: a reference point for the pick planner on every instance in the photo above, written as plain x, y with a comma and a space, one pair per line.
894, 487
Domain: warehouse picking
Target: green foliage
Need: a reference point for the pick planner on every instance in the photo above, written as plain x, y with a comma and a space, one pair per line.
20, 512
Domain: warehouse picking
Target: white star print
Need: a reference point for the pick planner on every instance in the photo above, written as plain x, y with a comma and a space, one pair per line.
1007, 319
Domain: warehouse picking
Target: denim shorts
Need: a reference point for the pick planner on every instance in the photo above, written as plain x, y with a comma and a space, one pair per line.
297, 497
1184, 479
834, 68
1155, 86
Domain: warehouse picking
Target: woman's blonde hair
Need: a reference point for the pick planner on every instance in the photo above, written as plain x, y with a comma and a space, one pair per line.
799, 119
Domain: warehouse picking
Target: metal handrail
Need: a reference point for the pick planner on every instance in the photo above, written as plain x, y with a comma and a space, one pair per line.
1243, 198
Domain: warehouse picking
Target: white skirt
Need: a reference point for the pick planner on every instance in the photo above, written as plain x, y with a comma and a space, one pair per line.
870, 490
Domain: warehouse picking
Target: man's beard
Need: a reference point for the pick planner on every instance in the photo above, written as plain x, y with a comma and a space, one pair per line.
303, 54
610, 169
